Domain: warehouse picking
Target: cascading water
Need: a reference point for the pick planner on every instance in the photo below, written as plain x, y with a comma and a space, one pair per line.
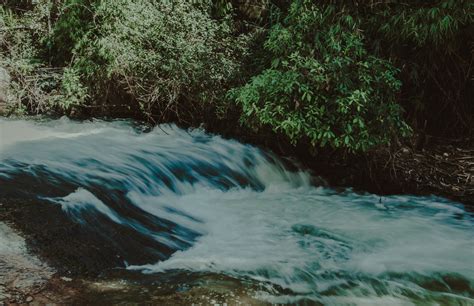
201, 203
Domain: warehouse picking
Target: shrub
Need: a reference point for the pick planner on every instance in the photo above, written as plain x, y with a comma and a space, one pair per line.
169, 56
36, 86
19, 55
431, 42
323, 86
73, 19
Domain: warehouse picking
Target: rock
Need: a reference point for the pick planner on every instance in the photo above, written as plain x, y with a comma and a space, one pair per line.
66, 279
4, 85
20, 271
254, 9
405, 150
29, 299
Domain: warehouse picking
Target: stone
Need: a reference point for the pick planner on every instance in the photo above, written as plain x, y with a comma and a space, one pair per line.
253, 9
20, 271
4, 85
405, 150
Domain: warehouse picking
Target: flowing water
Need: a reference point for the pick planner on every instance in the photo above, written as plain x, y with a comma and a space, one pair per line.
201, 203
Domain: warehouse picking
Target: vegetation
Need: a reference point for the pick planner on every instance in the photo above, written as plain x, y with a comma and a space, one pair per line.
322, 84
350, 75
432, 43
173, 59
19, 42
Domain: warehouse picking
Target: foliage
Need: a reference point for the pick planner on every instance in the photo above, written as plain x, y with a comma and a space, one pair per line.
36, 86
322, 73
73, 19
74, 93
323, 86
19, 53
171, 57
432, 43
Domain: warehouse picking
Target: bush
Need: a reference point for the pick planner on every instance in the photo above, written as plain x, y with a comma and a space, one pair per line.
171, 57
19, 54
36, 86
323, 73
431, 42
323, 86
73, 19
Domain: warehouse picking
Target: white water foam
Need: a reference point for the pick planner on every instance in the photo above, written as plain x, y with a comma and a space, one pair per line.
294, 238
255, 218
80, 200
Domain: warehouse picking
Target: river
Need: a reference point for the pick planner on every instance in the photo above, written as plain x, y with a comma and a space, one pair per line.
196, 202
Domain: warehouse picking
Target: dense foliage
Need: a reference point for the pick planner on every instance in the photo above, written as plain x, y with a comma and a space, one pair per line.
19, 45
432, 42
342, 74
322, 84
172, 58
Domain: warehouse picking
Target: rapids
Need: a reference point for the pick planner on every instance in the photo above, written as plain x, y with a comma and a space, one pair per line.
202, 203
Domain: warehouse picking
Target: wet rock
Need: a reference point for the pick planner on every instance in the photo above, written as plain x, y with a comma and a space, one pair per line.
172, 288
91, 252
20, 272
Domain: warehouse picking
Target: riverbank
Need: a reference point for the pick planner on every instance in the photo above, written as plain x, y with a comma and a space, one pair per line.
431, 166
442, 168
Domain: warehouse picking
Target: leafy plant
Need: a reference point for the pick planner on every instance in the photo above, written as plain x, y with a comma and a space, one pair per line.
323, 86
431, 42
36, 87
170, 57
323, 73
73, 19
